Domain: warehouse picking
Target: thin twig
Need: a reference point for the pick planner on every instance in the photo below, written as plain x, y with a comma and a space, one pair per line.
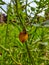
3, 9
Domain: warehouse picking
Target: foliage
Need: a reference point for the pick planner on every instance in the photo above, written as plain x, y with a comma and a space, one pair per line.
35, 51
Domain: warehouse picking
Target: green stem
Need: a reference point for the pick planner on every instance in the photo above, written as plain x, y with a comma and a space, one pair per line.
6, 36
28, 50
3, 9
29, 54
19, 15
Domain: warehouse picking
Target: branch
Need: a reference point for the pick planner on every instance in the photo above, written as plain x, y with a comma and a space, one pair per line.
3, 9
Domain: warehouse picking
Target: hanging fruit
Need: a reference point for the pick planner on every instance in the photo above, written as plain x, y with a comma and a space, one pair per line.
23, 36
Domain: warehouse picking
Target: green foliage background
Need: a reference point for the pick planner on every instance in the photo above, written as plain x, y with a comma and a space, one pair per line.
35, 51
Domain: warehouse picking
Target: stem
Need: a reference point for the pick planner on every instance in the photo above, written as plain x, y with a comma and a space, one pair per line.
6, 36
28, 50
29, 54
26, 8
3, 9
19, 15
